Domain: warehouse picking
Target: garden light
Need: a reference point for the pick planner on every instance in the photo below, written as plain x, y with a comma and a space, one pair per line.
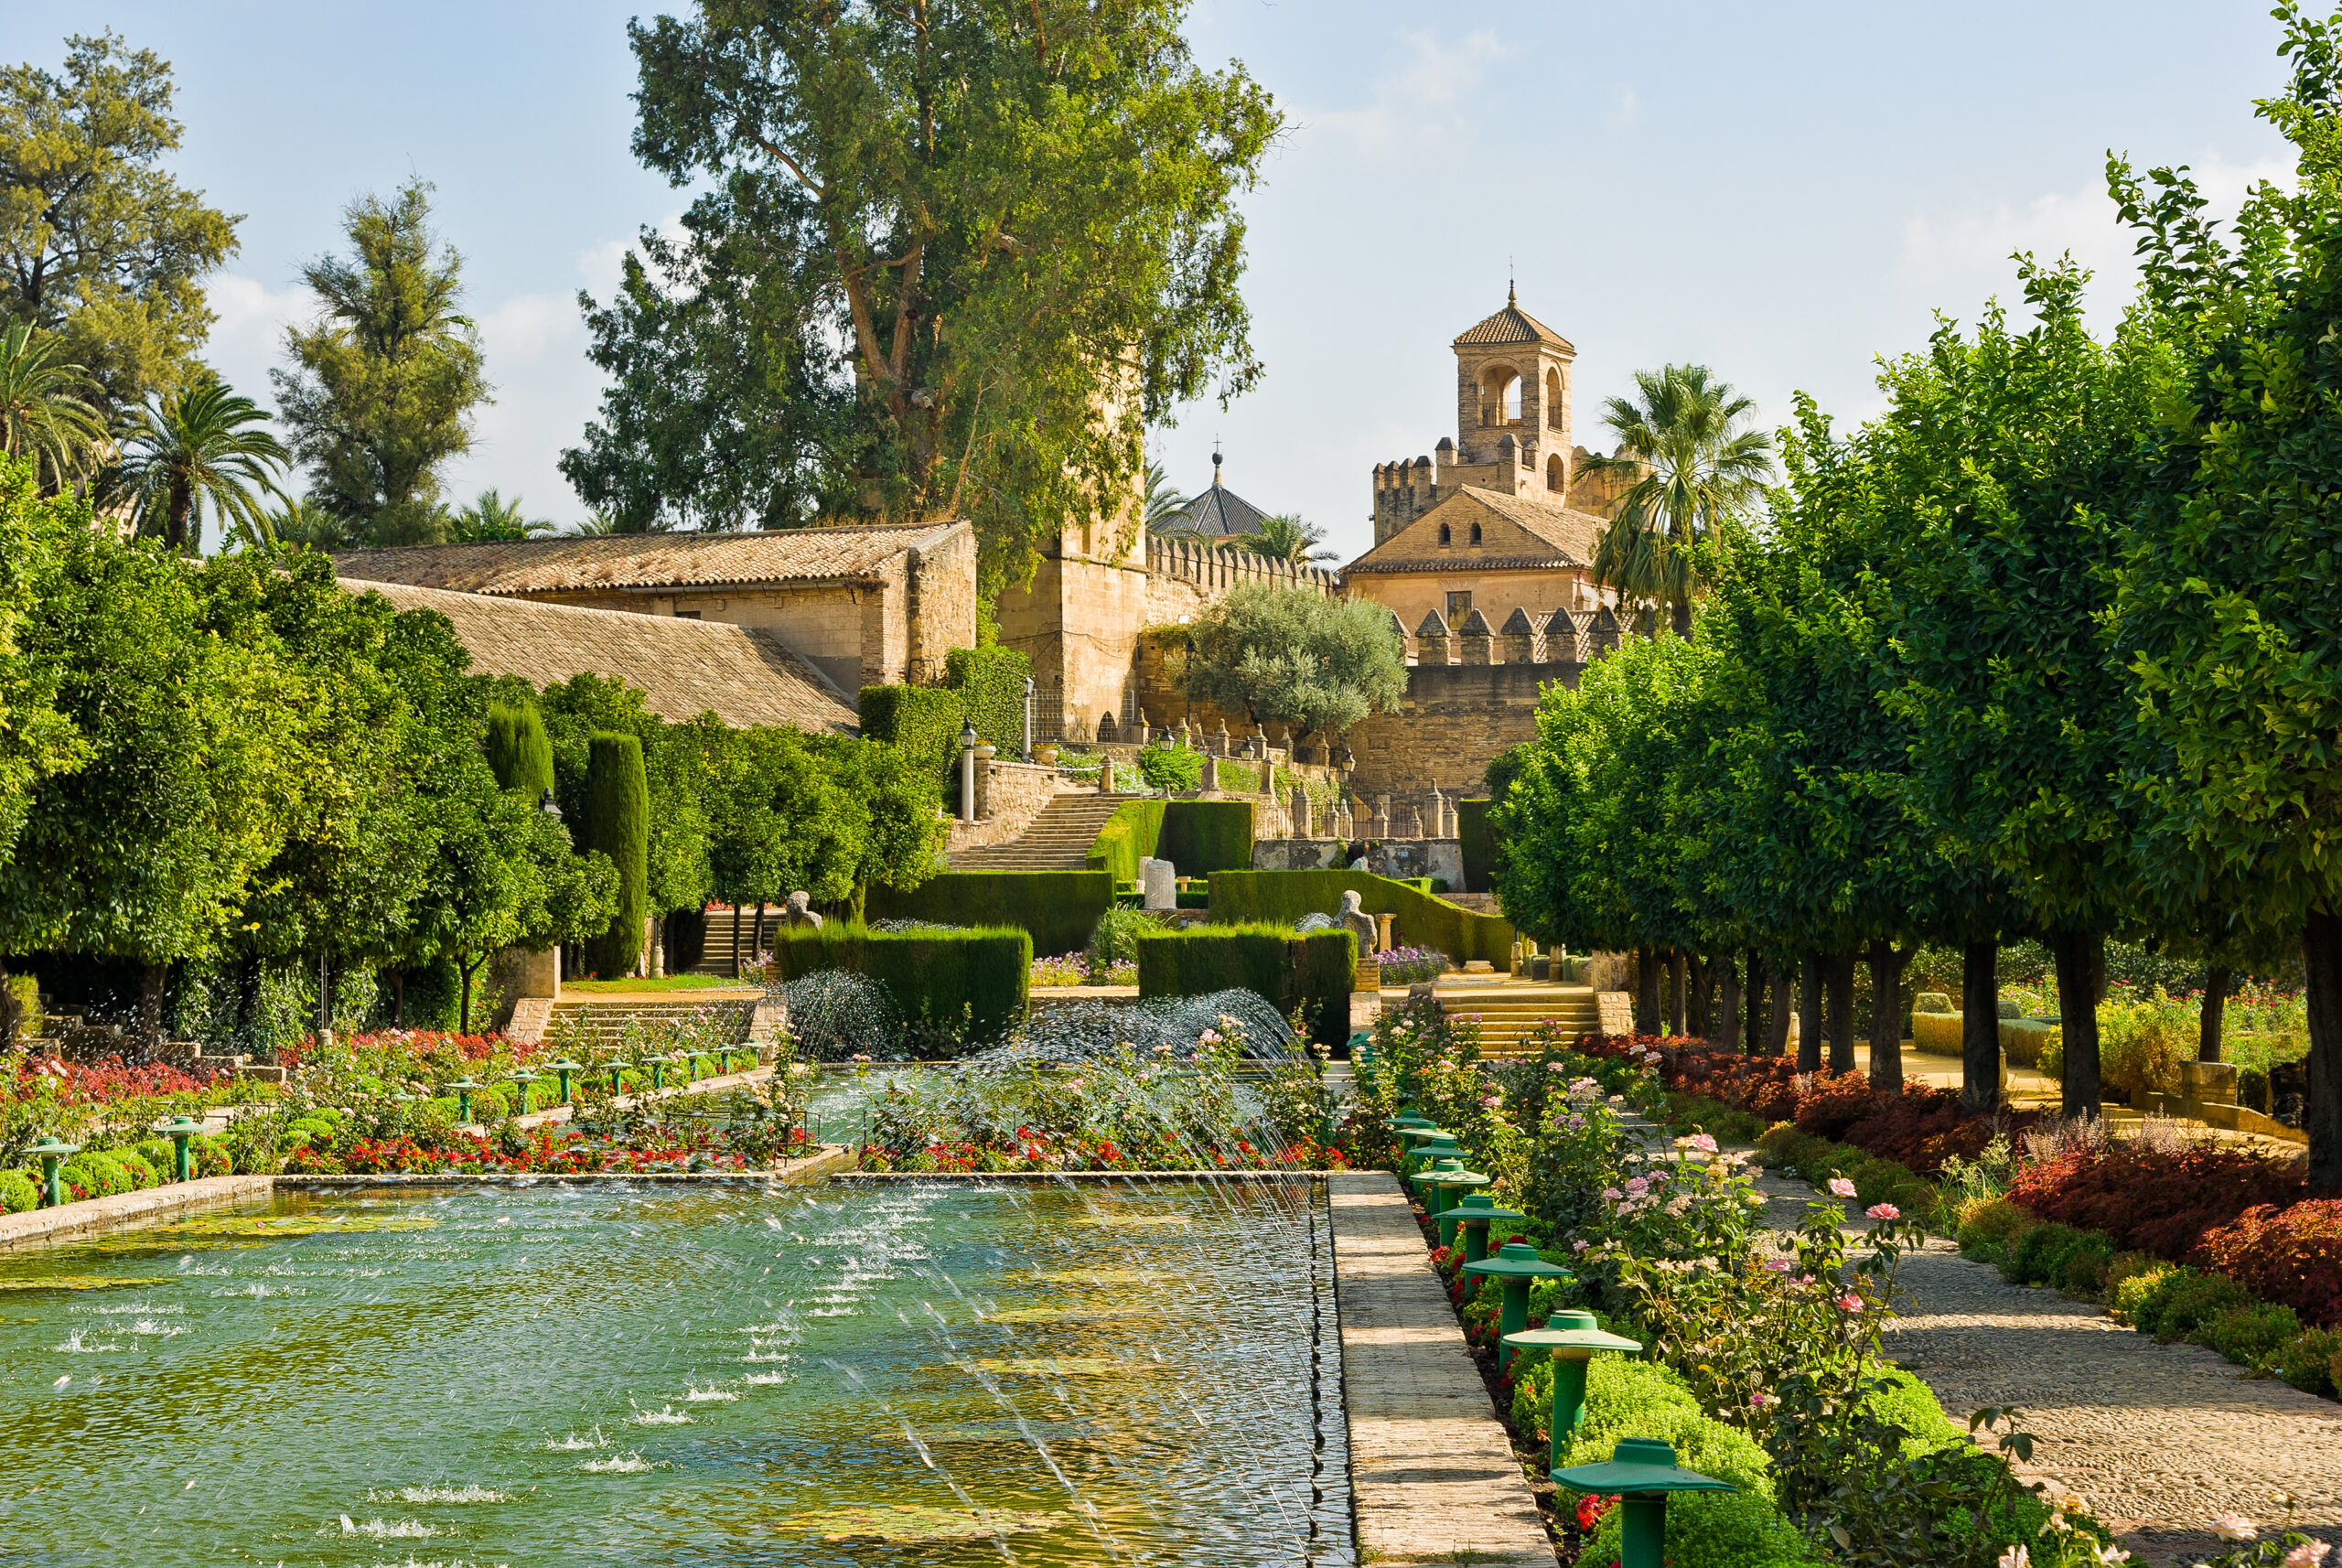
658, 1066
1516, 1264
1437, 1144
564, 1068
180, 1129
53, 1153
462, 1087
617, 1071
1472, 1214
1435, 1183
1641, 1472
1571, 1338
521, 1079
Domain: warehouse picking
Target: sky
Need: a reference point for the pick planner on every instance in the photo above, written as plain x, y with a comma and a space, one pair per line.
1782, 193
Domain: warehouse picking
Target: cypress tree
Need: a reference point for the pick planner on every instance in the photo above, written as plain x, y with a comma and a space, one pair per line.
518, 750
617, 822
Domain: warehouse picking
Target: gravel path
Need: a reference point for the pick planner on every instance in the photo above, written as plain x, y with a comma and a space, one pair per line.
2159, 1438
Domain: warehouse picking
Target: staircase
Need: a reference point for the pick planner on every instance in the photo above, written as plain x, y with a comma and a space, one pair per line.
1509, 1014
599, 1022
1058, 840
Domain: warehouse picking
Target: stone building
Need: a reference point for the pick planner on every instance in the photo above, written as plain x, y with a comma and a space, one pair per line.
865, 606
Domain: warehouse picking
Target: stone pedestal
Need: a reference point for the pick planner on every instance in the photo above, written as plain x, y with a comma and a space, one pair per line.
2208, 1083
1159, 884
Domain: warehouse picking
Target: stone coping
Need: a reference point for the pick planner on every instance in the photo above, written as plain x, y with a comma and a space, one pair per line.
73, 1221
1134, 1177
1431, 1470
829, 1160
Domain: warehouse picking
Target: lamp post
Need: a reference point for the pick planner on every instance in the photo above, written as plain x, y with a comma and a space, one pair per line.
180, 1129
1641, 1472
521, 1080
617, 1076
1473, 1214
53, 1153
1571, 1339
462, 1087
1441, 1184
1516, 1264
658, 1066
561, 1070
1432, 1143
967, 771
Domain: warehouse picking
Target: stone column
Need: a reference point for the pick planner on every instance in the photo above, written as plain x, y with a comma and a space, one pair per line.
1106, 773
984, 754
1302, 828
1382, 816
1211, 773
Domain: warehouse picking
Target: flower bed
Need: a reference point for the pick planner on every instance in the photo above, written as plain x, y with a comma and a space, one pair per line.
1075, 969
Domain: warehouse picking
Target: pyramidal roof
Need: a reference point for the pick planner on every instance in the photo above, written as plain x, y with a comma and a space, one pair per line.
1218, 513
1512, 324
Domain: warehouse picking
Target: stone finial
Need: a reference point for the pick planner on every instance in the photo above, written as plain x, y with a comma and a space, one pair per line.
1562, 632
1520, 635
1222, 747
1304, 827
1211, 773
1432, 642
1382, 816
1477, 639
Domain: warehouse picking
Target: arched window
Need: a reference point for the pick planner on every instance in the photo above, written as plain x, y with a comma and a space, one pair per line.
1444, 536
1475, 533
1556, 475
1499, 396
1555, 405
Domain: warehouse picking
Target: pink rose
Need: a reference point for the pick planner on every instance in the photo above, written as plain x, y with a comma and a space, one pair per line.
1611, 1195
1884, 1211
1701, 1141
1841, 1187
1638, 1185
1850, 1302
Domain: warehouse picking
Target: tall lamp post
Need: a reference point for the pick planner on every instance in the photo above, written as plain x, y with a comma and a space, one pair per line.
1188, 678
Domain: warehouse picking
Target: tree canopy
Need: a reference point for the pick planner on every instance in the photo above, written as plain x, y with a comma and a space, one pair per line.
1294, 657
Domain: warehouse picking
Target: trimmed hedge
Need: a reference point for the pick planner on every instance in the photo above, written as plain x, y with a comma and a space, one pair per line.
1481, 845
1058, 907
991, 684
1315, 971
922, 721
617, 822
518, 752
1423, 921
970, 983
1938, 1033
1200, 837
1129, 836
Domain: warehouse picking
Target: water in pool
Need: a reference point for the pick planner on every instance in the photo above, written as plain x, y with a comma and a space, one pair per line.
943, 1373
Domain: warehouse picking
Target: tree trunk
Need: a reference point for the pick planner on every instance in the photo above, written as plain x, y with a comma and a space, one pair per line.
1777, 1017
1808, 1013
758, 946
2081, 959
1728, 1010
1646, 990
1886, 967
2322, 1112
1841, 1012
464, 1010
2213, 1012
11, 1015
1980, 1027
1676, 1020
248, 978
324, 997
657, 946
151, 981
398, 998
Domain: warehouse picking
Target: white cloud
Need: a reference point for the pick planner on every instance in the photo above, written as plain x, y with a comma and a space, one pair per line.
1624, 107
1420, 77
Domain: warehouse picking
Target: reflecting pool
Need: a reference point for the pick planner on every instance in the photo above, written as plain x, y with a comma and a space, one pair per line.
718, 1373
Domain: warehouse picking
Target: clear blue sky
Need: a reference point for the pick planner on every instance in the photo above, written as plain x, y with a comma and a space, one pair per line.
1780, 192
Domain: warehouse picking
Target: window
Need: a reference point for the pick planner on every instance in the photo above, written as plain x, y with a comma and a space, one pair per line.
687, 614
1444, 536
1499, 396
1475, 533
1555, 404
1458, 607
1557, 477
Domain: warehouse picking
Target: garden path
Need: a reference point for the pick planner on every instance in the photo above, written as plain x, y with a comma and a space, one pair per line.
2159, 1438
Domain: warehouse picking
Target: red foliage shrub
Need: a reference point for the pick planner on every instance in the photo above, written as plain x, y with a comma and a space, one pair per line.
110, 1078
2155, 1200
2292, 1256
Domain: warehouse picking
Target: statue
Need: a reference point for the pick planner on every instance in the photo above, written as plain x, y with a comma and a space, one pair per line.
799, 912
1359, 923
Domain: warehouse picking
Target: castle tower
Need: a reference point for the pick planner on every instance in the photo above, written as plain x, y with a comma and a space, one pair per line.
1513, 376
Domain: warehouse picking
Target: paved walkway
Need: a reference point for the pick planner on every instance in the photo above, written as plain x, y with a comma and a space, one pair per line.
2158, 1438
1431, 1468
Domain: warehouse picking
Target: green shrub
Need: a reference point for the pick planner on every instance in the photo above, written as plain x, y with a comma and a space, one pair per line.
1931, 1001
1479, 844
142, 1174
2139, 1293
2306, 1360
519, 751
923, 721
1115, 936
1200, 837
1315, 971
617, 822
99, 1175
2081, 1267
1938, 1033
2190, 1301
2250, 1334
970, 985
161, 1154
1175, 769
2034, 1042
1989, 1228
1058, 907
990, 684
1129, 836
1284, 896
18, 1192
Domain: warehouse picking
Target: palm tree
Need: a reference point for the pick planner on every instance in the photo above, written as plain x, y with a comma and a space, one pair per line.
42, 414
195, 447
299, 521
1696, 471
492, 518
1284, 537
1163, 502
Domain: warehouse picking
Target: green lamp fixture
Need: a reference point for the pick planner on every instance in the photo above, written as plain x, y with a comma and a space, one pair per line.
563, 1070
1430, 1150
53, 1153
616, 1070
1473, 1214
1571, 1339
180, 1129
521, 1080
1517, 1264
658, 1066
1642, 1473
462, 1087
1442, 1185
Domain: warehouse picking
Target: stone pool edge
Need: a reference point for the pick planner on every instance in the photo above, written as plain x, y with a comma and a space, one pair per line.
94, 1215
1431, 1470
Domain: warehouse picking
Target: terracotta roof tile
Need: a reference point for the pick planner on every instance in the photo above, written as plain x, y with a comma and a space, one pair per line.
1571, 534
687, 667
1513, 325
1218, 513
571, 562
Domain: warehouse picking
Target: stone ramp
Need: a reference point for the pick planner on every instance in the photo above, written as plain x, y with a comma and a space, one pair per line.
1432, 1469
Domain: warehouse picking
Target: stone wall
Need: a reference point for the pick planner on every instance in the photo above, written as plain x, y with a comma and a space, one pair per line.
1013, 792
838, 628
940, 608
1454, 720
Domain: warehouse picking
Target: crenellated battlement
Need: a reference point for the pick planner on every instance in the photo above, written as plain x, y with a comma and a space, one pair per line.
1215, 571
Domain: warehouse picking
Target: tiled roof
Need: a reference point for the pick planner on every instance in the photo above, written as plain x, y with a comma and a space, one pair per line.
570, 564
1218, 513
1569, 533
687, 667
1513, 325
